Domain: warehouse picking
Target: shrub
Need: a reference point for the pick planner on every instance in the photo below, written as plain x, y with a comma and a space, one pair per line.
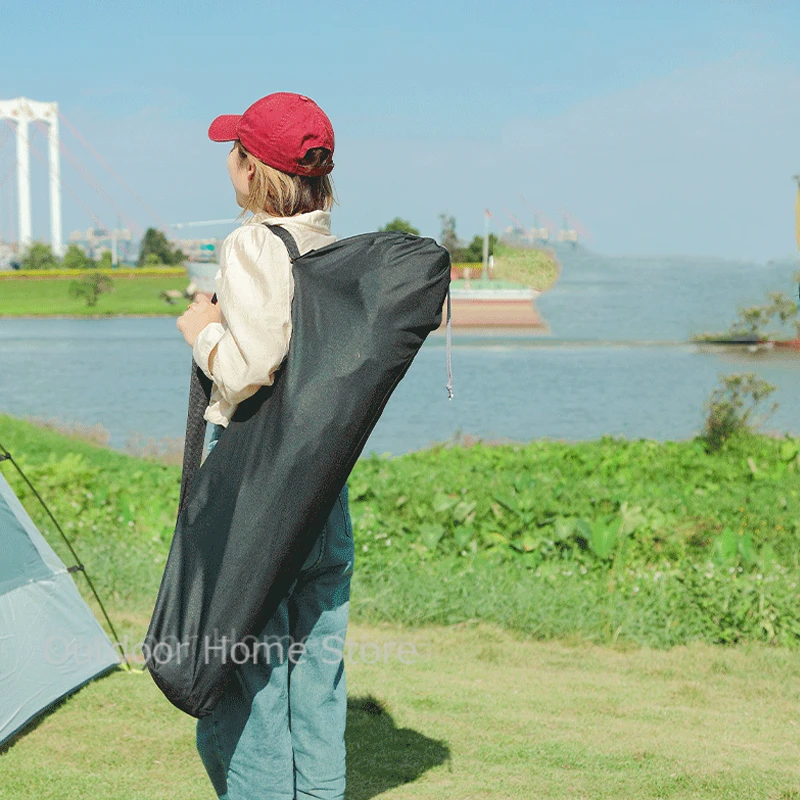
730, 407
91, 286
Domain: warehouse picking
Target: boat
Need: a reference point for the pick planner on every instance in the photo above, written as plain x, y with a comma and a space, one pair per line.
492, 302
479, 307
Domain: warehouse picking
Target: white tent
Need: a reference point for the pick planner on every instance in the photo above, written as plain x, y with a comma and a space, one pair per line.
50, 642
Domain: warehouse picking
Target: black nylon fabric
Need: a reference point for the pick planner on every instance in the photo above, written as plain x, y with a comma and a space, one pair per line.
362, 308
199, 396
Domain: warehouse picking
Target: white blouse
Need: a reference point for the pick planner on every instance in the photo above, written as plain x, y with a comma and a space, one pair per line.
254, 288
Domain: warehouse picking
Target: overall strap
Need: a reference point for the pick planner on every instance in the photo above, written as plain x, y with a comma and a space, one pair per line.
288, 240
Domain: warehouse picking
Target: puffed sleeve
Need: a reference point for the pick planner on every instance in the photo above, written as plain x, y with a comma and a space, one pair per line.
254, 291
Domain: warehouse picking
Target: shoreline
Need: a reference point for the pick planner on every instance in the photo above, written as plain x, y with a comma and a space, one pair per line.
541, 333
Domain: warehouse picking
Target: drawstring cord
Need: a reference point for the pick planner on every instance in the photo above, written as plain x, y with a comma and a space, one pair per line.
448, 349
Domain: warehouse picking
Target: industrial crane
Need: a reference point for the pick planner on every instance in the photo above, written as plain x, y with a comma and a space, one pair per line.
573, 226
544, 227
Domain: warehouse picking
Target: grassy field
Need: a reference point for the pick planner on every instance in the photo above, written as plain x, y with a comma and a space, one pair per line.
538, 269
472, 713
654, 543
37, 294
42, 297
605, 619
514, 267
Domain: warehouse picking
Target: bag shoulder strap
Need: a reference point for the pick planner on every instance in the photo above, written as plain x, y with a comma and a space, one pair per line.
288, 240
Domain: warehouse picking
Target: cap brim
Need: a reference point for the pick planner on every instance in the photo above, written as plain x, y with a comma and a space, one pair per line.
223, 129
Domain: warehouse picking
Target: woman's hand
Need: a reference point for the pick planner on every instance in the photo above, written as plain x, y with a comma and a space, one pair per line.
201, 312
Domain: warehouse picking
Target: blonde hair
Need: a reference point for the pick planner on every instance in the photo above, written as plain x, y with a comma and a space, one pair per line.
284, 195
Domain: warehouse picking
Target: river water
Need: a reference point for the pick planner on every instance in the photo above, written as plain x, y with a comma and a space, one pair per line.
617, 363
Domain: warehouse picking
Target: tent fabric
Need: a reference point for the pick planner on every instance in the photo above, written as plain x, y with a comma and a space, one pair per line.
361, 310
50, 642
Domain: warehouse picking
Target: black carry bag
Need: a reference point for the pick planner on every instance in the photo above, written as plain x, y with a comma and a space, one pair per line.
251, 513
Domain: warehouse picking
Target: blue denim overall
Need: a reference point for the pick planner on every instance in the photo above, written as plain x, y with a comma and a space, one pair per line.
278, 731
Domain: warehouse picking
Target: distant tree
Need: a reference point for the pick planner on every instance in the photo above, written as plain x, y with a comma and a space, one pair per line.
75, 258
106, 260
473, 252
39, 256
398, 224
796, 278
449, 238
782, 307
155, 243
752, 321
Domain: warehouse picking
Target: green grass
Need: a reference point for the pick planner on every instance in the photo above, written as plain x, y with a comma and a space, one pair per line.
138, 294
538, 269
43, 297
558, 604
657, 544
471, 712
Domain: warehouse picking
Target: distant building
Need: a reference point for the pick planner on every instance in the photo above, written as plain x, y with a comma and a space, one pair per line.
95, 241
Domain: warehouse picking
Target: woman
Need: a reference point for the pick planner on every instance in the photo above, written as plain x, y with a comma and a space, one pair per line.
278, 731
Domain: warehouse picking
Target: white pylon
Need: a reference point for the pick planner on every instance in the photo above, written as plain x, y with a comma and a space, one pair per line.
22, 112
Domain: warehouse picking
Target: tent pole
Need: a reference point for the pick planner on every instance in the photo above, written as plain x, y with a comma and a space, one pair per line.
6, 456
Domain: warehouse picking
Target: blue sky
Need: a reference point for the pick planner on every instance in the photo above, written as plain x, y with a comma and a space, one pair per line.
664, 127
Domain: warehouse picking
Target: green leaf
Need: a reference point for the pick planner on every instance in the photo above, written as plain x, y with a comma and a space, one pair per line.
508, 504
789, 450
442, 502
583, 529
632, 519
745, 547
431, 534
493, 537
604, 538
564, 528
526, 543
463, 535
463, 510
726, 546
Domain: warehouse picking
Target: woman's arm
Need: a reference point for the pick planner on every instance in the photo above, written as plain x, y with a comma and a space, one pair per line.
201, 312
254, 290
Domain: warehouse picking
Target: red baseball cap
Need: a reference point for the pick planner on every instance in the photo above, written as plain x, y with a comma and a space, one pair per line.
279, 129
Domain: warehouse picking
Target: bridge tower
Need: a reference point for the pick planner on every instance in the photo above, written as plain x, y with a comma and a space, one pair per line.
22, 112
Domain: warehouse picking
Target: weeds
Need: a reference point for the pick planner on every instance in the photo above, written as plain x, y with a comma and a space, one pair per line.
730, 408
94, 434
167, 449
91, 286
610, 540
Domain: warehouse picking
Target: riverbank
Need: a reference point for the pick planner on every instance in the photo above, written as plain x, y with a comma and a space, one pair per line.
476, 303
133, 295
596, 579
655, 544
